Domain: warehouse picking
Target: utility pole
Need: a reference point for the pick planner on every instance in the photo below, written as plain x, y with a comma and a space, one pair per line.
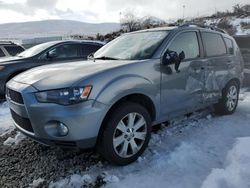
183, 16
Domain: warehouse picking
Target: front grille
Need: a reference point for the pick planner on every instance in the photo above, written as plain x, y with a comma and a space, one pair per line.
22, 122
14, 96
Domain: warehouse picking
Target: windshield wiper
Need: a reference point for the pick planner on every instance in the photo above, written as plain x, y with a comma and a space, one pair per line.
106, 58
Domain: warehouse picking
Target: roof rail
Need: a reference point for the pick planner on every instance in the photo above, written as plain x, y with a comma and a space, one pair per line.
6, 42
202, 26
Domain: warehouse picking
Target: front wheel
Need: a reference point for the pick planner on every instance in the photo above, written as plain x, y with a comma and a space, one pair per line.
229, 101
126, 134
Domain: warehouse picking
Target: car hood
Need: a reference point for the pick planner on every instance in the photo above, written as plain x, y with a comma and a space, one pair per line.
63, 75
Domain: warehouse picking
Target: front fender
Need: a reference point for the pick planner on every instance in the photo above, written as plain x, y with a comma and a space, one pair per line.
122, 86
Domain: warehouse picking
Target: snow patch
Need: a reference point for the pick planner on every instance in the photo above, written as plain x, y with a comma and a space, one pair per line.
236, 22
237, 172
107, 178
72, 181
6, 123
37, 182
14, 141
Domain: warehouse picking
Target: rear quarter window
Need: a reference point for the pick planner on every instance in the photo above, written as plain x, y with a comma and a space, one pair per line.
229, 45
214, 44
1, 53
14, 50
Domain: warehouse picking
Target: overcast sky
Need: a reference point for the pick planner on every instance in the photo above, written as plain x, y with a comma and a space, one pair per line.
97, 11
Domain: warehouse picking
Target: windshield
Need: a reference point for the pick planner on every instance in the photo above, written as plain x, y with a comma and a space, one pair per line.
35, 50
133, 46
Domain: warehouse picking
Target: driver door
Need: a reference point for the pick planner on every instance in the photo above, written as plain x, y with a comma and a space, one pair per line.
181, 90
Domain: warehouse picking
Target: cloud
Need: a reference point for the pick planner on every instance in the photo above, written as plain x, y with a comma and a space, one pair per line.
47, 9
109, 10
42, 4
16, 7
166, 9
29, 7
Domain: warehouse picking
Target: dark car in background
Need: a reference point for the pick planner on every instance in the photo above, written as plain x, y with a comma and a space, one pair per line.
8, 48
42, 54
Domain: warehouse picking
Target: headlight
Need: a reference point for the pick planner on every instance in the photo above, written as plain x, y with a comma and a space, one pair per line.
2, 67
65, 96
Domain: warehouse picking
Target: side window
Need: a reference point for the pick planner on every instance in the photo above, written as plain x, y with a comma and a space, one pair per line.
89, 48
1, 53
214, 44
62, 52
187, 42
229, 44
14, 50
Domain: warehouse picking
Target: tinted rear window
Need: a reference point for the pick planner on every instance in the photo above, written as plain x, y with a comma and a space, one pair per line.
214, 44
14, 50
1, 53
229, 44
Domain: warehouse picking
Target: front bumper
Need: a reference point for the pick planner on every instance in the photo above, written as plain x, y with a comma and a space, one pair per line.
38, 120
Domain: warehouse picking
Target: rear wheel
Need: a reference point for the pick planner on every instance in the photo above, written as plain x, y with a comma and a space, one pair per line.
126, 134
229, 101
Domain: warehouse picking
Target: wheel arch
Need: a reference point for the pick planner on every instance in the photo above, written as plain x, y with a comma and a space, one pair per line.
138, 98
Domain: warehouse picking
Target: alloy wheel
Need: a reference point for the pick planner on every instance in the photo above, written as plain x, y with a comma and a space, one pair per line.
232, 97
129, 135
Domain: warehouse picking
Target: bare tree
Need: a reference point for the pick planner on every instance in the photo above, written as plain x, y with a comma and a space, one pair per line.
129, 21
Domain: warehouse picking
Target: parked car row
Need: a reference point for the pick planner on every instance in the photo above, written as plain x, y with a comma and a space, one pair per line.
42, 54
136, 81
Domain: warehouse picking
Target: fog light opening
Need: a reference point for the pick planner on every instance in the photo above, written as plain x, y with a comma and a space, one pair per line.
62, 129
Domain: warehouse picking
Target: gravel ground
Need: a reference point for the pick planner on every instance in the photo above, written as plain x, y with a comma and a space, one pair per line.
21, 164
28, 161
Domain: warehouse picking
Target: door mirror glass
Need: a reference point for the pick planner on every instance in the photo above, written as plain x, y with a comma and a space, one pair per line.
172, 57
51, 54
182, 56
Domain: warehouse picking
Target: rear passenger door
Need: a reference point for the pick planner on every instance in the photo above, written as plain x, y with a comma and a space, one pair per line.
218, 62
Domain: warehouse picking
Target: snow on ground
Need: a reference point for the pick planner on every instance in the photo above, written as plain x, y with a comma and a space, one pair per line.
14, 141
237, 172
6, 123
199, 151
234, 21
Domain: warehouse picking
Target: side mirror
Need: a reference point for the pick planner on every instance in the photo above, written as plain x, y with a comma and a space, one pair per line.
182, 56
172, 57
90, 56
168, 57
51, 55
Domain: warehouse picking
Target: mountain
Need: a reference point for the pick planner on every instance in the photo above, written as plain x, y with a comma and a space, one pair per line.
54, 28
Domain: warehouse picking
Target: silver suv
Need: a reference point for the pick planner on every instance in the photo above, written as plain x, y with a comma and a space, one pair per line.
131, 84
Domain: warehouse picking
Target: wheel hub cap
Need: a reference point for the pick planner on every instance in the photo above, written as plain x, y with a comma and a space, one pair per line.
129, 135
232, 97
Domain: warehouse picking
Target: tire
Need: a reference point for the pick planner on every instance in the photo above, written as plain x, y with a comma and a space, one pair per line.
229, 101
119, 138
